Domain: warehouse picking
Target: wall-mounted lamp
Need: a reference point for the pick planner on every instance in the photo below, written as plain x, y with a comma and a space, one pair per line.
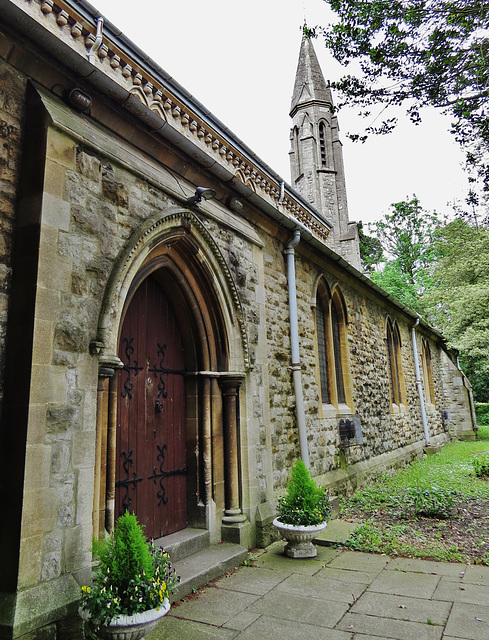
79, 100
201, 193
235, 205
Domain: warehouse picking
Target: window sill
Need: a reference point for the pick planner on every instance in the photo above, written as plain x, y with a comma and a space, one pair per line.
330, 411
398, 408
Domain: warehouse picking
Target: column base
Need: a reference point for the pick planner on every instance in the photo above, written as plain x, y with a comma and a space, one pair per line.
238, 533
232, 516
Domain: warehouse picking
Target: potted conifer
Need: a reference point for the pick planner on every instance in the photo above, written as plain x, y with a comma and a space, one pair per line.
131, 587
302, 513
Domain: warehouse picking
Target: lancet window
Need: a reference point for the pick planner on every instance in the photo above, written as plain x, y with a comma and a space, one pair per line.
332, 349
396, 378
428, 374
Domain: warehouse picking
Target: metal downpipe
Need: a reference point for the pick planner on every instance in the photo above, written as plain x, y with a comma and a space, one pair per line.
419, 384
294, 343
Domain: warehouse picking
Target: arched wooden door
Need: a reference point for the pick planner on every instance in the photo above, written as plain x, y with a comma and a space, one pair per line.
151, 457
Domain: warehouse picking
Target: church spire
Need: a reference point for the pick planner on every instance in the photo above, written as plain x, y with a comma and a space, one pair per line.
310, 85
316, 155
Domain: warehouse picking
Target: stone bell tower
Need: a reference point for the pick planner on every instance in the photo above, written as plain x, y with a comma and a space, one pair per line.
316, 155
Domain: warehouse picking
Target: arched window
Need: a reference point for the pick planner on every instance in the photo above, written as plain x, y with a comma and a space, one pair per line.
338, 365
321, 315
322, 144
297, 151
331, 337
427, 374
394, 361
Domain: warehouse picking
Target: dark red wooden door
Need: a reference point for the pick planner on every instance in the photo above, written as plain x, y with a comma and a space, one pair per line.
151, 458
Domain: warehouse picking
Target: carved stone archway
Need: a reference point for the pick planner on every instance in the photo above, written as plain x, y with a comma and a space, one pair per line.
177, 250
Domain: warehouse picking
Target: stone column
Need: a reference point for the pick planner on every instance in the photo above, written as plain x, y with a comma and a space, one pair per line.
107, 422
111, 455
230, 392
98, 517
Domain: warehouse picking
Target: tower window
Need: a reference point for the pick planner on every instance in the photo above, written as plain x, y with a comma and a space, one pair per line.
322, 143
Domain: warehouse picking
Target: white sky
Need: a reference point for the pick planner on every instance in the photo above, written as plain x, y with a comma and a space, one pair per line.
239, 59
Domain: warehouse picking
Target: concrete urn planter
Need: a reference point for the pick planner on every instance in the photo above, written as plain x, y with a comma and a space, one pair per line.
299, 538
124, 627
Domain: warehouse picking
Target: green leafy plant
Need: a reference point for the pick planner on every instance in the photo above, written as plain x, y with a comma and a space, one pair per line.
304, 502
482, 412
431, 502
481, 465
133, 574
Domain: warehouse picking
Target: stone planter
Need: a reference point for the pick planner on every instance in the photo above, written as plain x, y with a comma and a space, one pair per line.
123, 627
299, 538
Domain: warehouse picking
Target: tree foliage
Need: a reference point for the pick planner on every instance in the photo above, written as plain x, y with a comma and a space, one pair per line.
458, 301
403, 266
417, 53
370, 249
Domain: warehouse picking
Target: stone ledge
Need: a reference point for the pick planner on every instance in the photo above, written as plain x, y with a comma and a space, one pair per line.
34, 608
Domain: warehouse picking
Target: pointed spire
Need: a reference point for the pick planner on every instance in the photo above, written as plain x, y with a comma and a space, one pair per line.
310, 85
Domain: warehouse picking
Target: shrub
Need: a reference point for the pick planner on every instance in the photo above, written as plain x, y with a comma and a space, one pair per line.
133, 575
482, 412
481, 465
304, 503
431, 502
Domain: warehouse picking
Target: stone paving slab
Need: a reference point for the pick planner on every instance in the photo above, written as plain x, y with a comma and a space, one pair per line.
322, 613
346, 575
358, 561
254, 580
337, 532
453, 569
313, 587
362, 636
477, 575
458, 592
242, 620
402, 608
266, 628
417, 585
341, 595
214, 606
172, 629
398, 629
468, 621
275, 558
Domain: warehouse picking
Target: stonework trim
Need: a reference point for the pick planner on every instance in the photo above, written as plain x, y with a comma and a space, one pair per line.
143, 91
158, 231
117, 151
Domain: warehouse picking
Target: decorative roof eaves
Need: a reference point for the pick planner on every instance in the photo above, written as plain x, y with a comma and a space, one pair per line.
130, 77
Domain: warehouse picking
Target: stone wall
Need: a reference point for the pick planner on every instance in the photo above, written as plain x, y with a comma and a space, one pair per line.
12, 108
384, 429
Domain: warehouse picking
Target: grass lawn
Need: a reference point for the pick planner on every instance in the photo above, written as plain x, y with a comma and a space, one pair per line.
437, 508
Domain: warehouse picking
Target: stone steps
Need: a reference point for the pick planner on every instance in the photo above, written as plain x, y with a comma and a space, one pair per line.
196, 561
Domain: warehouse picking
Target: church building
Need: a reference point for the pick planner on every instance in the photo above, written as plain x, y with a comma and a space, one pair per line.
178, 323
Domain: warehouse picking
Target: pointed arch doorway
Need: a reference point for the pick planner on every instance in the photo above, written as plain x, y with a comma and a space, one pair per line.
172, 269
151, 468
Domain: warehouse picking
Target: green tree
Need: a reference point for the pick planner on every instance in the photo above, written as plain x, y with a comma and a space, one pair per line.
370, 249
407, 236
458, 301
416, 53
395, 282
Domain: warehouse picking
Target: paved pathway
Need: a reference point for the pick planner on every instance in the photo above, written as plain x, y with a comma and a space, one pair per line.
341, 595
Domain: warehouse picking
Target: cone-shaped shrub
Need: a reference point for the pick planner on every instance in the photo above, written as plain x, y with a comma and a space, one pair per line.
133, 575
304, 503
126, 554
